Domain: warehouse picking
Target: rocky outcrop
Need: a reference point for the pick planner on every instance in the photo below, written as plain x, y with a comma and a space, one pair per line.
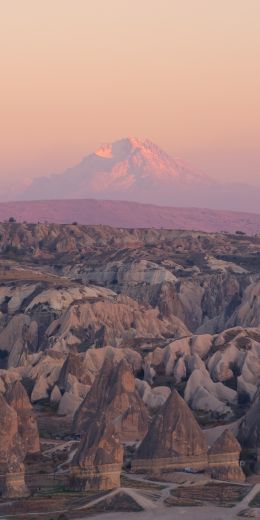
16, 396
69, 404
14, 338
117, 322
12, 454
174, 440
223, 458
40, 390
55, 396
57, 329
201, 393
130, 275
73, 366
248, 312
114, 395
249, 431
155, 397
98, 461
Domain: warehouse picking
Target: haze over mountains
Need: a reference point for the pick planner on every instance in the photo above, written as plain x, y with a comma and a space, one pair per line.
129, 215
133, 183
138, 170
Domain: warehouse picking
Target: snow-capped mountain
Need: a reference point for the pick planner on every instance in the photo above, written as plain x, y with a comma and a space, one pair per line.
131, 169
137, 170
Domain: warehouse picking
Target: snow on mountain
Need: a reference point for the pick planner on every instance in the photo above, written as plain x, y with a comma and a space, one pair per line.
138, 170
130, 168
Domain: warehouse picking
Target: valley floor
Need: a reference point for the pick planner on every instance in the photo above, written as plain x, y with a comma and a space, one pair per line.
146, 500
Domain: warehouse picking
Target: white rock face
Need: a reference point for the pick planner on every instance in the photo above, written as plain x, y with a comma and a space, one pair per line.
60, 300
173, 351
157, 397
201, 344
40, 390
15, 296
221, 265
248, 312
73, 387
153, 359
55, 396
201, 393
179, 371
68, 404
144, 272
41, 365
194, 362
220, 363
154, 398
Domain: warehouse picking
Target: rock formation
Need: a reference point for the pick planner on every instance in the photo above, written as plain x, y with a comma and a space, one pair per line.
16, 396
73, 365
12, 454
98, 461
201, 393
249, 431
113, 322
223, 458
113, 393
174, 440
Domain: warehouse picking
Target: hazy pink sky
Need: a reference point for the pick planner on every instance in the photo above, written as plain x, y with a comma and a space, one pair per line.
183, 73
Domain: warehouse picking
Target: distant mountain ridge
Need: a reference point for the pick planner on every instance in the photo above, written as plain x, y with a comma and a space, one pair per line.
129, 169
129, 215
138, 170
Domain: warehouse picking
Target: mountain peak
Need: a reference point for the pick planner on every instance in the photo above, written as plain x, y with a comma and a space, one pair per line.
125, 147
131, 168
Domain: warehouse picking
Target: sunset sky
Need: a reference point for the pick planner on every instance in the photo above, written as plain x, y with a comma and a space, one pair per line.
183, 73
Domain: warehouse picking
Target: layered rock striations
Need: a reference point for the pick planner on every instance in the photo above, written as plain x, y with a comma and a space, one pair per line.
223, 458
98, 461
174, 440
17, 397
12, 454
114, 394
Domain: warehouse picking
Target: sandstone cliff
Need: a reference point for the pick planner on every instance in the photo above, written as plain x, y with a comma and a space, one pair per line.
17, 398
98, 461
114, 395
12, 453
223, 458
174, 440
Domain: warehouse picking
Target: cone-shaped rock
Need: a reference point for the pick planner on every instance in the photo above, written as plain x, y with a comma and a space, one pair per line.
174, 440
113, 393
249, 432
12, 453
223, 458
98, 461
17, 397
72, 365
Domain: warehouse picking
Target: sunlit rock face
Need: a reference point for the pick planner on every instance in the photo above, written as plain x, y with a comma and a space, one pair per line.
223, 458
12, 454
17, 398
98, 461
174, 440
114, 394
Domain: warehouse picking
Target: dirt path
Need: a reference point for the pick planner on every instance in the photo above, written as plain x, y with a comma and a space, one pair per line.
157, 509
247, 499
